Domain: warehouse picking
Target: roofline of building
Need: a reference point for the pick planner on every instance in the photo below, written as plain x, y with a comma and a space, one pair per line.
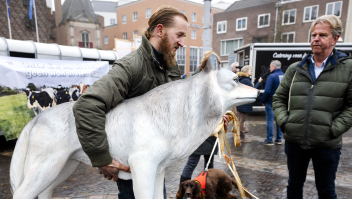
199, 4
127, 4
241, 8
195, 3
114, 25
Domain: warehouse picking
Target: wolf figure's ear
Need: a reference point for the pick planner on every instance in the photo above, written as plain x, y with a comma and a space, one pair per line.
212, 63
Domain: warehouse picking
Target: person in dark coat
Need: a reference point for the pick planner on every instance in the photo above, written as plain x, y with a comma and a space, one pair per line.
243, 110
207, 146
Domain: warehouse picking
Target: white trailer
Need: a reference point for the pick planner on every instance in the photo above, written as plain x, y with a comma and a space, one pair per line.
260, 55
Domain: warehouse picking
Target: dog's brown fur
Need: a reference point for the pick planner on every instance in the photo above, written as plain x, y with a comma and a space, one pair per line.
218, 182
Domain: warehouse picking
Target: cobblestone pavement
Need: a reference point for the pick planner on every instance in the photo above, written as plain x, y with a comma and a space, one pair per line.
262, 170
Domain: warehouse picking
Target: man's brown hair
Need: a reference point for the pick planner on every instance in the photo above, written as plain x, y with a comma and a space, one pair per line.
164, 15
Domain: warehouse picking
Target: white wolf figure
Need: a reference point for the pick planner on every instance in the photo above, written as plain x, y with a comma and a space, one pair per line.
146, 133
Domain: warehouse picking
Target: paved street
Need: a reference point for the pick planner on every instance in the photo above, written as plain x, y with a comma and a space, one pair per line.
262, 170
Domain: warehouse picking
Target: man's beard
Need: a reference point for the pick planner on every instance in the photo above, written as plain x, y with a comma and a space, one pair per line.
168, 52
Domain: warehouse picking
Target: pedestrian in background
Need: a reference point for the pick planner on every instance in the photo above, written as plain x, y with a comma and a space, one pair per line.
313, 106
235, 69
243, 110
272, 82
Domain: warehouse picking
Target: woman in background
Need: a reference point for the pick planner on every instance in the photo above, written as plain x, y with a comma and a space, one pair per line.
243, 110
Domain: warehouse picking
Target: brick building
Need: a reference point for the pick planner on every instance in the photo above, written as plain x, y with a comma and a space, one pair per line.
76, 24
132, 19
21, 27
251, 21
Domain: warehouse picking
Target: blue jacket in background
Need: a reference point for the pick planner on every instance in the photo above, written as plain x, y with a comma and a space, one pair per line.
272, 83
246, 80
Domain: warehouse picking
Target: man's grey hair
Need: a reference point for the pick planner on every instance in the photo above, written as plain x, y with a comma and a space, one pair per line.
234, 64
332, 20
276, 63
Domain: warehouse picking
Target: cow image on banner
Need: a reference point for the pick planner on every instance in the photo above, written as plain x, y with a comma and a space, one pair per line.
31, 86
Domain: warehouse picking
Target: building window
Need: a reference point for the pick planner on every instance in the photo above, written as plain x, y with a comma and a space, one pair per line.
289, 17
181, 59
124, 35
183, 12
112, 21
228, 46
85, 40
124, 19
148, 13
222, 26
334, 8
264, 20
193, 59
134, 16
193, 34
288, 37
200, 55
106, 40
84, 19
194, 17
241, 24
310, 13
202, 18
135, 32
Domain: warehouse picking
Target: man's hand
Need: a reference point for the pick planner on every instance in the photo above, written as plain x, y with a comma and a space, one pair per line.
226, 119
111, 171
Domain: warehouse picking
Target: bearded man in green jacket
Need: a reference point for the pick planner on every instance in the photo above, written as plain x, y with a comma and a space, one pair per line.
151, 65
313, 106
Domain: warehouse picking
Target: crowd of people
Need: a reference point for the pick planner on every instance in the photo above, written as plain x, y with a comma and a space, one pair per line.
311, 102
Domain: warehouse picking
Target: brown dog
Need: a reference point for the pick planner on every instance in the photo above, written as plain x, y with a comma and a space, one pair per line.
218, 182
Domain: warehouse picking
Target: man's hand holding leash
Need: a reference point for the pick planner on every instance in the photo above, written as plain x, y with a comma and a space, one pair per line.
111, 171
226, 119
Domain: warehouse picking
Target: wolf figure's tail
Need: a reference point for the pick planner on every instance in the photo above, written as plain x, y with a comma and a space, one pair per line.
19, 157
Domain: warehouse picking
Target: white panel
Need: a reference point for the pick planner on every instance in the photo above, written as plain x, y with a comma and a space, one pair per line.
20, 46
54, 57
71, 58
3, 53
67, 51
107, 55
90, 53
47, 50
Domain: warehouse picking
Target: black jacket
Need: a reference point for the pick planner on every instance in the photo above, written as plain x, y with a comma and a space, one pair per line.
246, 80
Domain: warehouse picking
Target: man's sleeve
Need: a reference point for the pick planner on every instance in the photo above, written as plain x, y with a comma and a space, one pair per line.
280, 98
267, 91
343, 122
90, 110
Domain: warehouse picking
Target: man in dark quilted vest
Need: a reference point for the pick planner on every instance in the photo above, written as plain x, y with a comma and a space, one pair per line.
313, 107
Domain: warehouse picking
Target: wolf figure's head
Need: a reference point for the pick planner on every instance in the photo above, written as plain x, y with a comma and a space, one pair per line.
227, 86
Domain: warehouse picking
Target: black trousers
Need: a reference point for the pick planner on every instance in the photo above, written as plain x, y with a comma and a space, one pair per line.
325, 163
192, 164
126, 189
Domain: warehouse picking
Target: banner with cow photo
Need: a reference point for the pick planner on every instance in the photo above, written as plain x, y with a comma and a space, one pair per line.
30, 86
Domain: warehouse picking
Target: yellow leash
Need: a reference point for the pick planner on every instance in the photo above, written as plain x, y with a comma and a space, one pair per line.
220, 133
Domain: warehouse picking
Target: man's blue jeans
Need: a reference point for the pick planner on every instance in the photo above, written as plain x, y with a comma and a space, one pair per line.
325, 163
270, 123
126, 189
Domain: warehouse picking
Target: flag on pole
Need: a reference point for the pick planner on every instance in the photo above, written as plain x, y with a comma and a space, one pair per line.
8, 9
30, 8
